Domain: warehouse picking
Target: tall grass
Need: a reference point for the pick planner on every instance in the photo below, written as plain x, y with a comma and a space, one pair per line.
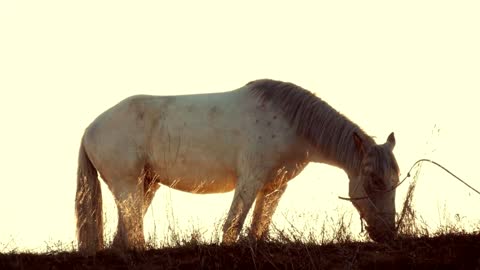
408, 223
322, 243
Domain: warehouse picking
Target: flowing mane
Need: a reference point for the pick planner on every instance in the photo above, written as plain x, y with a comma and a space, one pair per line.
323, 126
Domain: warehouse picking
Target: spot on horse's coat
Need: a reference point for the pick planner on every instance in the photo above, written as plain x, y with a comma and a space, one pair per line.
213, 112
140, 115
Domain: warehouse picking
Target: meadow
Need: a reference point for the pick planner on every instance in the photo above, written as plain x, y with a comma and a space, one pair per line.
328, 246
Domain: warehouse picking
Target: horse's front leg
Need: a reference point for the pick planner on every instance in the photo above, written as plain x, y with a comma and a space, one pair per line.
245, 193
265, 205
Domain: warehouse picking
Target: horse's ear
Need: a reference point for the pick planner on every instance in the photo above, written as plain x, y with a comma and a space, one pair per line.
391, 141
359, 143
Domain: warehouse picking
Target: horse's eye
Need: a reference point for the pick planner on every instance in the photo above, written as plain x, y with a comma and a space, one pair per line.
377, 181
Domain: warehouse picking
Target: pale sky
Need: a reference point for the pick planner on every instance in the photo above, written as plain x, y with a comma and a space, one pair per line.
389, 66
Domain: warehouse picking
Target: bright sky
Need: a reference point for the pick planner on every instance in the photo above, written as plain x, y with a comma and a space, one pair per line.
399, 66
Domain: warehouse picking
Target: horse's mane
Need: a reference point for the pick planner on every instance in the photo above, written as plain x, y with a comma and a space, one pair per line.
324, 127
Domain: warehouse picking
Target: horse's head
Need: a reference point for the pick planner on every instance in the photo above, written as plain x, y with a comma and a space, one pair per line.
374, 187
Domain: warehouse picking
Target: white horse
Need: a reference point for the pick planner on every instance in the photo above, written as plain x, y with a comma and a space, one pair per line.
252, 140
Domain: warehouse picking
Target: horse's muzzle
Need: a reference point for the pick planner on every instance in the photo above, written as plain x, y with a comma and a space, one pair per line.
381, 231
383, 236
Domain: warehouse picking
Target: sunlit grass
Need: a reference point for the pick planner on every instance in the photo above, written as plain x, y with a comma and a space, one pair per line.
318, 229
321, 241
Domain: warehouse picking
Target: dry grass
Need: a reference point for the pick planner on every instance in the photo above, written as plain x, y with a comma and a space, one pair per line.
408, 224
455, 250
329, 246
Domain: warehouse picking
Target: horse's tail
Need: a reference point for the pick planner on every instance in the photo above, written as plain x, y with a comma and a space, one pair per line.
88, 205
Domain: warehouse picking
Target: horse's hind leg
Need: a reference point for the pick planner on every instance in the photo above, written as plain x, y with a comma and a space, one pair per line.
129, 198
265, 205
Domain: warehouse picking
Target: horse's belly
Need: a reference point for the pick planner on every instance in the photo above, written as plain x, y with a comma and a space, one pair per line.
196, 180
200, 186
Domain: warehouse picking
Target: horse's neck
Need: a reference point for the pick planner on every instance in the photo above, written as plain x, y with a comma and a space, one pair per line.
345, 157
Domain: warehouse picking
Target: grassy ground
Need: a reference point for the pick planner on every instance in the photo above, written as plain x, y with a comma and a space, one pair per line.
332, 247
446, 251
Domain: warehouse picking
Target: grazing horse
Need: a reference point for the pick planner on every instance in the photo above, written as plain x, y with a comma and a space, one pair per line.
252, 140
